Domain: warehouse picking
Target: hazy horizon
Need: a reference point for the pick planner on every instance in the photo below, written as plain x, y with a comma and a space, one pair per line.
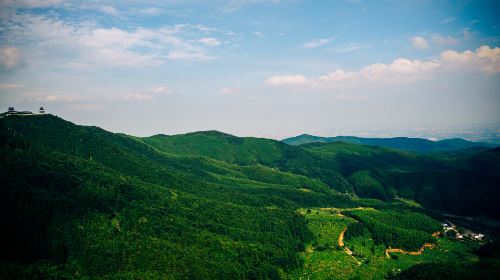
263, 68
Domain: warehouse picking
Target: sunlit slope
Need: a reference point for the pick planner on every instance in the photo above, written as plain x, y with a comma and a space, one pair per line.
441, 181
218, 145
83, 202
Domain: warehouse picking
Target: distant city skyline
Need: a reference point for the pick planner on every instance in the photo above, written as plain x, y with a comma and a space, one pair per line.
263, 68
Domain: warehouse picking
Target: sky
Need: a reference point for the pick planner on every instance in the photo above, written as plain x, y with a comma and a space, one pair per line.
265, 68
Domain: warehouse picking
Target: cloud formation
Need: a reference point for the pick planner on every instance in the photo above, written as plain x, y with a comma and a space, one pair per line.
230, 90
209, 41
110, 10
401, 70
289, 80
350, 48
148, 94
10, 58
101, 46
315, 43
444, 40
419, 42
484, 59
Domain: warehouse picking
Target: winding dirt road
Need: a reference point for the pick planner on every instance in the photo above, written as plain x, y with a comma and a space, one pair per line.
413, 253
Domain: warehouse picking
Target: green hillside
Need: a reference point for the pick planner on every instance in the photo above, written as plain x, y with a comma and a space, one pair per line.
79, 202
223, 147
71, 193
453, 181
404, 143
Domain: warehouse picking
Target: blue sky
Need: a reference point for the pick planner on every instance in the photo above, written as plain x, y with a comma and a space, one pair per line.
255, 67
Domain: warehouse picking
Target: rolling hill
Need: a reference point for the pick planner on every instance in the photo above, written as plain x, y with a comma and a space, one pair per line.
441, 181
404, 143
71, 192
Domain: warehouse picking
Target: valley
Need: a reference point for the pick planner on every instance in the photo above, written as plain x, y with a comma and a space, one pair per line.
331, 256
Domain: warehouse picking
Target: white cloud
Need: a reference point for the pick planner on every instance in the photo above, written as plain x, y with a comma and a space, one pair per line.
10, 58
87, 44
131, 95
110, 10
288, 80
138, 97
61, 98
401, 70
315, 43
230, 90
114, 46
209, 41
258, 34
149, 11
419, 42
162, 90
484, 59
444, 40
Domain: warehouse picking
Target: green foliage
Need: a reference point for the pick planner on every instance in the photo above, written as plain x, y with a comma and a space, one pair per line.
220, 146
130, 211
403, 143
81, 202
446, 271
368, 260
400, 229
462, 182
366, 186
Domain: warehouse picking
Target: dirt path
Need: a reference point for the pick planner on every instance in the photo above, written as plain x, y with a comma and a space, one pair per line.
341, 237
414, 253
341, 244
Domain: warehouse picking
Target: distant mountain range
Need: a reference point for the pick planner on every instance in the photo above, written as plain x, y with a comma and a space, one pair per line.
418, 145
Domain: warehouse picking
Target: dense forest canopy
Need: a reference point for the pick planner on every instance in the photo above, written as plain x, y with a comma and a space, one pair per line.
81, 202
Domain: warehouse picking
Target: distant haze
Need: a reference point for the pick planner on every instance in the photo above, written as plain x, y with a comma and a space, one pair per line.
267, 68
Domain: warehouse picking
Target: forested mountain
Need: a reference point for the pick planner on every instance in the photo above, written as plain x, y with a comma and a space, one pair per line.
452, 182
79, 202
404, 143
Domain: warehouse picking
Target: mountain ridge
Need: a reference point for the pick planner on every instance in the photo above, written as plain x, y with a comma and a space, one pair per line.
405, 143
